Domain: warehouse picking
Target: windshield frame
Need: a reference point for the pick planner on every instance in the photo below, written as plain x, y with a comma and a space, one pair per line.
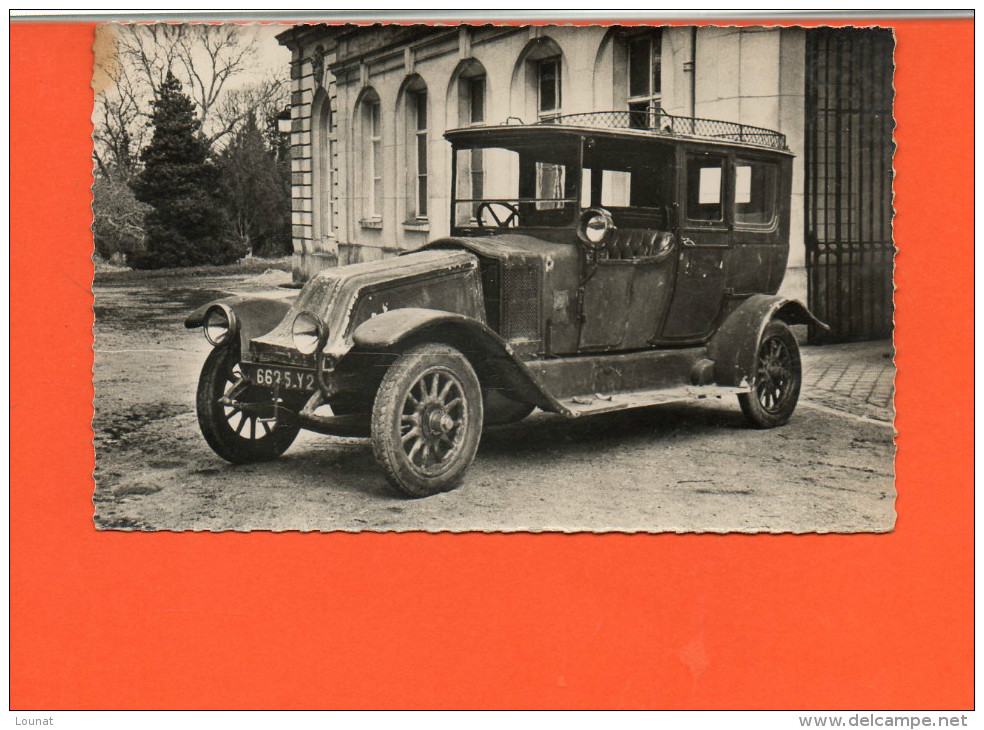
576, 169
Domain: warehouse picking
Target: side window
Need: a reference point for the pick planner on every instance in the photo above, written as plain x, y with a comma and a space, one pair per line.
756, 188
705, 188
623, 188
614, 188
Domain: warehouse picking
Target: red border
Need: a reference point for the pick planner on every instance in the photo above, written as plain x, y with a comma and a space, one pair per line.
139, 621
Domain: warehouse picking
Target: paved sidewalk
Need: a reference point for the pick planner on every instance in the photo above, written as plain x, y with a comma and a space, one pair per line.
857, 378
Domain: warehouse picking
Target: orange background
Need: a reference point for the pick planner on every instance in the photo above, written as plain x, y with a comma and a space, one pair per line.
171, 621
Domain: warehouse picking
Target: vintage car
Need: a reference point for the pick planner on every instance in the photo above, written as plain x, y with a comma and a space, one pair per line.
596, 262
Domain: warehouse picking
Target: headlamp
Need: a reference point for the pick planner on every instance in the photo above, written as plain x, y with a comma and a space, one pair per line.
308, 332
220, 325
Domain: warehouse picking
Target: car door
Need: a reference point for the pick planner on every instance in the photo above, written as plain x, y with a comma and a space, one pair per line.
625, 288
760, 235
703, 244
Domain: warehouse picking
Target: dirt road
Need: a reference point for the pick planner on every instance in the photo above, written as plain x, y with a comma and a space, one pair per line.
693, 467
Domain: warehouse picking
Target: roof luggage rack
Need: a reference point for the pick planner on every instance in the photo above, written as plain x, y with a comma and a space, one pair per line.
659, 123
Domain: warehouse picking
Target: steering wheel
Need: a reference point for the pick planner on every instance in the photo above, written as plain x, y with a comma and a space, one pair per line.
509, 221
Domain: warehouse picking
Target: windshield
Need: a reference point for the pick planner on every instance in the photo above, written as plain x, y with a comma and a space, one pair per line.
538, 183
523, 185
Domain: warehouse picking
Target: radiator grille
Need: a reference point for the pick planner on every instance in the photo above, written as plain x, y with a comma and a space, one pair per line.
521, 301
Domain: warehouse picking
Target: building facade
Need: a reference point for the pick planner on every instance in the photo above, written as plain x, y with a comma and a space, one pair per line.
370, 105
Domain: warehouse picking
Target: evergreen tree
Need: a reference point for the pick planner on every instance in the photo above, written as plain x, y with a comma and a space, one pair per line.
256, 192
185, 226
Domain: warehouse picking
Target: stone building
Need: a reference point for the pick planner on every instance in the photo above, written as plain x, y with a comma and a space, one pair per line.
370, 105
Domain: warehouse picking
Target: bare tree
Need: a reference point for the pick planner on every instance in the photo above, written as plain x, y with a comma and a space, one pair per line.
213, 63
217, 67
119, 115
253, 100
117, 217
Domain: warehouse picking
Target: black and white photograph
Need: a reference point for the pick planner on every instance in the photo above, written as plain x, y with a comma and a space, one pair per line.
493, 278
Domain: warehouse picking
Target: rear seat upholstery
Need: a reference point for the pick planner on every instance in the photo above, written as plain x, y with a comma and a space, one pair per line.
634, 243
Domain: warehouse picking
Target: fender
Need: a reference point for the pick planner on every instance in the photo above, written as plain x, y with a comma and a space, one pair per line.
256, 315
735, 344
493, 358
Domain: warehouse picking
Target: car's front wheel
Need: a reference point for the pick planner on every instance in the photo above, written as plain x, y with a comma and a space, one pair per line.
774, 391
236, 418
427, 420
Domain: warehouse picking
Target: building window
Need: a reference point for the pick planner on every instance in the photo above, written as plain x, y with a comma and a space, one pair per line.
476, 115
373, 157
420, 102
418, 115
471, 111
475, 86
548, 87
325, 160
644, 70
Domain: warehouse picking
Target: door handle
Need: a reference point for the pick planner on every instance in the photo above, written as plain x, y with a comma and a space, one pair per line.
688, 243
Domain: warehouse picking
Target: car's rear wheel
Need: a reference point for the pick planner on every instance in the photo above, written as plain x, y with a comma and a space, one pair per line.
774, 391
236, 418
427, 420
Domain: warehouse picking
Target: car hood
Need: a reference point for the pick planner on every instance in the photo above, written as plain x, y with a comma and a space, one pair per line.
333, 293
501, 247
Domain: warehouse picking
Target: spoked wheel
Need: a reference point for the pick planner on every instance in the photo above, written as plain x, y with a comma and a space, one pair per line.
427, 420
247, 432
775, 388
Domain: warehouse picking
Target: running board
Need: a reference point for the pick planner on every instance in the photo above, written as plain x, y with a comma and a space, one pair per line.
587, 405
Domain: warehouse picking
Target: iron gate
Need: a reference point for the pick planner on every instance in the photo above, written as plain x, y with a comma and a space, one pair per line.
848, 167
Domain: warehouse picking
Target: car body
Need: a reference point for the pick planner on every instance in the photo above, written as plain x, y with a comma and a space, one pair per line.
596, 262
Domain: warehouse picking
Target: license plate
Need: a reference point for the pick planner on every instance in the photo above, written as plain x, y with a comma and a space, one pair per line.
283, 378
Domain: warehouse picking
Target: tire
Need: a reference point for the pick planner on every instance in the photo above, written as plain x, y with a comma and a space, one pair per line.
500, 410
234, 435
772, 396
427, 420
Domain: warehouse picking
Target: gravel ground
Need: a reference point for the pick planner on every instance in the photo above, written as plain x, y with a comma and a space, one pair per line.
685, 468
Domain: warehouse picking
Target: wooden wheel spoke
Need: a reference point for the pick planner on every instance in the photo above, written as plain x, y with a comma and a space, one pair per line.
415, 448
